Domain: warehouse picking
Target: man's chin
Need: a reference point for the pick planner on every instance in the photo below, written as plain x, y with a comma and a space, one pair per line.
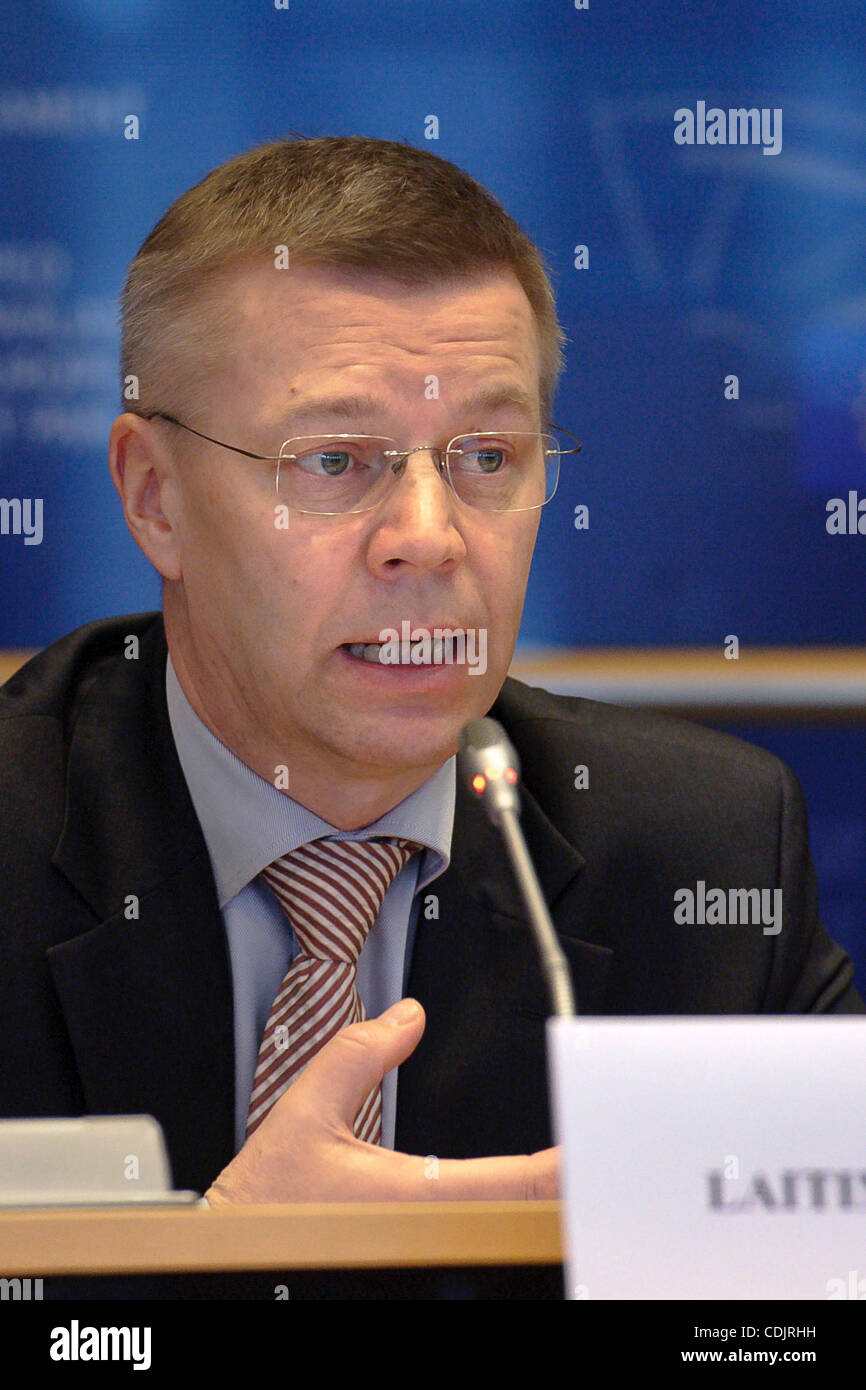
400, 742
382, 725
404, 751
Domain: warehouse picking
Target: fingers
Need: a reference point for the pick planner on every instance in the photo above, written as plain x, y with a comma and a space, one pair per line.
543, 1182
365, 1173
513, 1178
340, 1077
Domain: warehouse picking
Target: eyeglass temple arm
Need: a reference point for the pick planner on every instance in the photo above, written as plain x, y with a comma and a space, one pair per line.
161, 415
560, 430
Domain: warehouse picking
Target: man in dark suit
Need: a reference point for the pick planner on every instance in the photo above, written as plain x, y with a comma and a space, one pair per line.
107, 1013
142, 948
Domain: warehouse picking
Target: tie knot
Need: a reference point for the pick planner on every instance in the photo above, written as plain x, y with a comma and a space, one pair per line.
332, 891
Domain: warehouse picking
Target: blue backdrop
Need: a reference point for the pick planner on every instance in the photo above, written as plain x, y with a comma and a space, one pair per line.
707, 515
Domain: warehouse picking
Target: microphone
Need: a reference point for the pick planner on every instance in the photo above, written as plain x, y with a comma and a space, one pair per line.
490, 770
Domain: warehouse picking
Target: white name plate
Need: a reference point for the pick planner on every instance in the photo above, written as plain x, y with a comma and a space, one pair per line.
712, 1158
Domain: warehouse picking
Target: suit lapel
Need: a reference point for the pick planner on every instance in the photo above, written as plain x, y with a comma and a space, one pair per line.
477, 1083
146, 994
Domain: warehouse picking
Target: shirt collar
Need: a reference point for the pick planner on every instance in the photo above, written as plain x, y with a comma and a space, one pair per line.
248, 823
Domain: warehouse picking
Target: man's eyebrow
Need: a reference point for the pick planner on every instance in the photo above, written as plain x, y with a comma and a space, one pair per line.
366, 406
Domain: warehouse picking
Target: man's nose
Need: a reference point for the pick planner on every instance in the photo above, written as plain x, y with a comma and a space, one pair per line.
417, 520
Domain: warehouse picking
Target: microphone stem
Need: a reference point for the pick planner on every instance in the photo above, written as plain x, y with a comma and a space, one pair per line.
553, 962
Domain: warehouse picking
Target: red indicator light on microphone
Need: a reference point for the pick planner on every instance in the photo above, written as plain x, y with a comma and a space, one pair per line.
510, 775
479, 783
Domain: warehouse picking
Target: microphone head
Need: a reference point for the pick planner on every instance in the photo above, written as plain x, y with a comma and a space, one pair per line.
489, 766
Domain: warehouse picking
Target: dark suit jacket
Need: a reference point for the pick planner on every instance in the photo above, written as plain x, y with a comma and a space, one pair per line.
103, 1014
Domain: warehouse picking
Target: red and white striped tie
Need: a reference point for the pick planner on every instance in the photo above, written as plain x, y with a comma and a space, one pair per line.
332, 891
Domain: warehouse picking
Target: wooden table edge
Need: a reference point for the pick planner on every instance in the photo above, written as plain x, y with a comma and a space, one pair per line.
40, 1242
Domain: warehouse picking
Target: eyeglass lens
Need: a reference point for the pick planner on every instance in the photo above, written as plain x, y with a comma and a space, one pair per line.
511, 471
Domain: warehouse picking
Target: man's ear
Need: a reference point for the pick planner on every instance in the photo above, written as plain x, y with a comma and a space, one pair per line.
144, 473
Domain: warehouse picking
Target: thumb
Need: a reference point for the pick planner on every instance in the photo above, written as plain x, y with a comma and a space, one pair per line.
341, 1076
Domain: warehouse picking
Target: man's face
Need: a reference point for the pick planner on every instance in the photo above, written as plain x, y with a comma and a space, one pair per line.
268, 612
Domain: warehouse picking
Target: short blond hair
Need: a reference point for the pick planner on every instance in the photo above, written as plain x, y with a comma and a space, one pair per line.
344, 201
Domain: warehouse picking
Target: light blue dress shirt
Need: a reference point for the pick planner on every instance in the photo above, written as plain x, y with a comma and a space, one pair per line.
247, 824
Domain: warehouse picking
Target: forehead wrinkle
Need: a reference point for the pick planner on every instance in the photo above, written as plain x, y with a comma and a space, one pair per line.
503, 329
360, 405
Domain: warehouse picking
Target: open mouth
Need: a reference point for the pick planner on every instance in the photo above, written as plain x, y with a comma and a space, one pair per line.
440, 653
